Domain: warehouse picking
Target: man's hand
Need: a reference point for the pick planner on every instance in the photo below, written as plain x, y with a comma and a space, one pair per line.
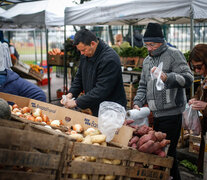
68, 97
199, 105
70, 104
136, 107
163, 75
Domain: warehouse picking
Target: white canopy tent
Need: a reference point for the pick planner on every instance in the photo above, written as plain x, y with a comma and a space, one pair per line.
2, 10
127, 12
38, 14
137, 12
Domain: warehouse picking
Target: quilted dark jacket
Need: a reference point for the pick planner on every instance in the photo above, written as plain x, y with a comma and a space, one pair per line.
100, 77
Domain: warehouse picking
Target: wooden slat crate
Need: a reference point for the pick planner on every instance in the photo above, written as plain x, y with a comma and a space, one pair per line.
127, 164
129, 61
35, 74
30, 153
130, 93
194, 144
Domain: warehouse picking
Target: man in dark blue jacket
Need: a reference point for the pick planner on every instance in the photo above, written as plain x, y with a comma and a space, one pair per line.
11, 83
99, 74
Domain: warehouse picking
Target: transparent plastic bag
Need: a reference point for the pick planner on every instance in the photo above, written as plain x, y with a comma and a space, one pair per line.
111, 116
157, 75
191, 120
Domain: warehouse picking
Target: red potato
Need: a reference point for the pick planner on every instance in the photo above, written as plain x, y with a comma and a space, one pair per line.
146, 146
133, 140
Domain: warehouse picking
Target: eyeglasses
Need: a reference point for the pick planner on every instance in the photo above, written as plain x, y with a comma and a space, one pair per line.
152, 45
198, 67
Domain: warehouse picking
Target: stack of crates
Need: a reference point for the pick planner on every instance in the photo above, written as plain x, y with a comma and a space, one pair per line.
130, 91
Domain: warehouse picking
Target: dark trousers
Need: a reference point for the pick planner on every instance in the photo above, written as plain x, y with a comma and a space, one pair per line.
171, 125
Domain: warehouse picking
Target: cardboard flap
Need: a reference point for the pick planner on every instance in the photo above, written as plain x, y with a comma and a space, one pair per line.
20, 101
71, 117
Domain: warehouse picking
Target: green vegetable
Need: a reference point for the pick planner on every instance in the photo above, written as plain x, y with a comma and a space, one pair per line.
187, 54
193, 168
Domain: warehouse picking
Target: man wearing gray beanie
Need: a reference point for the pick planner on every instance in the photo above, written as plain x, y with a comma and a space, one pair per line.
167, 103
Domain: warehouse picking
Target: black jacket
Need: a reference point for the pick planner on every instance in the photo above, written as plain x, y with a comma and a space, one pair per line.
100, 78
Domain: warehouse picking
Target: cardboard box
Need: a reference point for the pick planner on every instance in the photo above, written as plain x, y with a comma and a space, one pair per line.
69, 117
194, 144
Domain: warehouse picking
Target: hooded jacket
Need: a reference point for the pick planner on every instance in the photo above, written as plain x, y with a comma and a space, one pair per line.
14, 84
100, 77
172, 99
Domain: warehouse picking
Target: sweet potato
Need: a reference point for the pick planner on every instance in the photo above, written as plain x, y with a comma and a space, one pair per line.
164, 142
133, 140
143, 130
146, 146
129, 121
146, 138
156, 146
134, 145
162, 154
160, 136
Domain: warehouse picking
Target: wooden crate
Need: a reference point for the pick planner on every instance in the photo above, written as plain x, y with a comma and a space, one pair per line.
130, 92
56, 60
29, 151
129, 61
132, 163
33, 73
194, 144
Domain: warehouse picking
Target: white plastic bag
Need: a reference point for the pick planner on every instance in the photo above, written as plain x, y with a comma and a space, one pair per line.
156, 75
111, 116
140, 117
191, 120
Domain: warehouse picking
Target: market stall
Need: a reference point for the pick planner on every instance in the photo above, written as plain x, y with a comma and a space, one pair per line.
136, 12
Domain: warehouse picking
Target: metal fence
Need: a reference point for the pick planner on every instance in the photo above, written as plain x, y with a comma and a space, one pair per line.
31, 45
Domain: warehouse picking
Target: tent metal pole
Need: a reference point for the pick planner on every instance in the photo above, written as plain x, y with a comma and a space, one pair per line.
108, 36
48, 67
132, 36
191, 41
41, 50
65, 82
34, 34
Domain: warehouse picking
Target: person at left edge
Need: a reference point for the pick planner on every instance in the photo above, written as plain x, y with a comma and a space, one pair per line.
99, 74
